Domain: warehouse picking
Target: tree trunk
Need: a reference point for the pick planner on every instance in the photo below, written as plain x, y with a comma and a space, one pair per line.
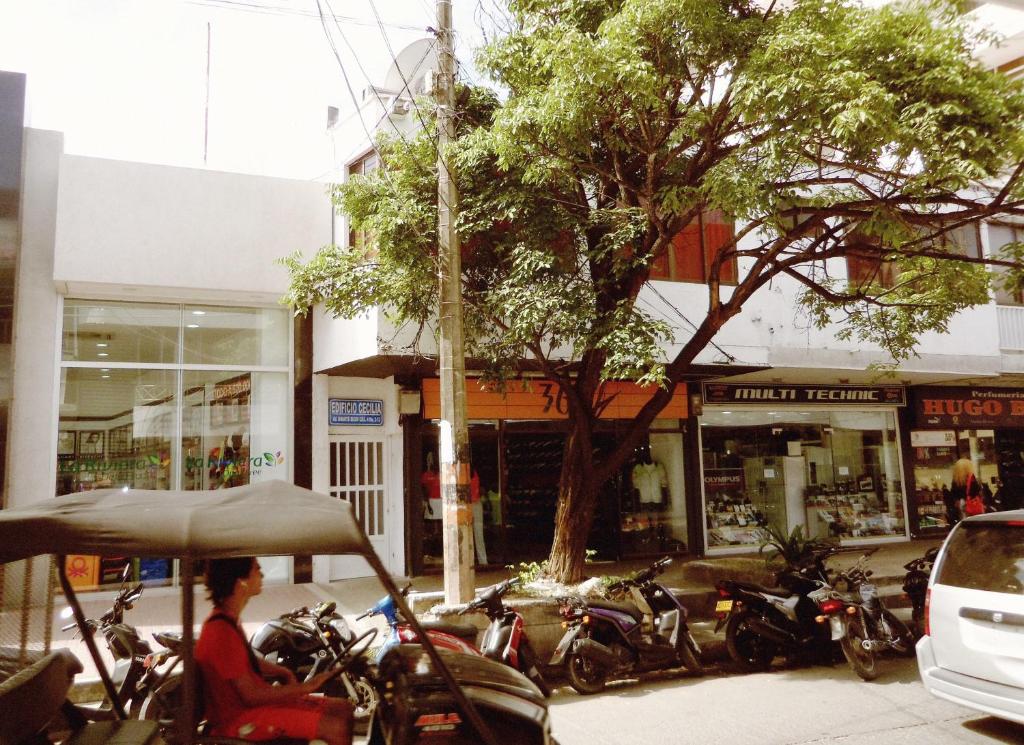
577, 491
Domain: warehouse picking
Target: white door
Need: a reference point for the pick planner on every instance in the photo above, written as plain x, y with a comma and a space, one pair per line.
359, 476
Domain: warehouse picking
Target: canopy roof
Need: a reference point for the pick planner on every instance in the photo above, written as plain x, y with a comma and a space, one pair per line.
269, 518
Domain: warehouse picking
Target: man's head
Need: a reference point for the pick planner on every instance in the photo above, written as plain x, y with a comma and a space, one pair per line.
226, 577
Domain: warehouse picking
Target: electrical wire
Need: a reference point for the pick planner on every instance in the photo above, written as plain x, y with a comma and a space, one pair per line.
268, 9
674, 309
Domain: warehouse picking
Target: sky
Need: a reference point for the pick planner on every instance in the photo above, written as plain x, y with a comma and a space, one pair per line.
127, 79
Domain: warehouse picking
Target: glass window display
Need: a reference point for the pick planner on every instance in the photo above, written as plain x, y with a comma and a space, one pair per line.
140, 406
834, 473
935, 452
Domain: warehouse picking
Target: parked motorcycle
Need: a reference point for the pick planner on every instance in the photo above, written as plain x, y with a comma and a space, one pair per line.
863, 625
134, 672
915, 584
305, 641
505, 638
763, 622
453, 637
606, 639
308, 641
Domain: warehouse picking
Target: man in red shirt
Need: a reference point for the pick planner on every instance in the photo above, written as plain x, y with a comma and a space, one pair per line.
238, 701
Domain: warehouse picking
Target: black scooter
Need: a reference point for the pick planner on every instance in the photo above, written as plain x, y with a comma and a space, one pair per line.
762, 622
606, 639
134, 660
915, 584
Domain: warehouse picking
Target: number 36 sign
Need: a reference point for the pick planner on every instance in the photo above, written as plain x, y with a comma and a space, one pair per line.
536, 398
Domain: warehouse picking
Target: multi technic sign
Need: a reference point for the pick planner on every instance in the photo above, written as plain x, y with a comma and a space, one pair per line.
841, 395
355, 411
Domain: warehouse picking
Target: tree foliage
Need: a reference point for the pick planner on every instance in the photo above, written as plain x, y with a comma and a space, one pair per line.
818, 124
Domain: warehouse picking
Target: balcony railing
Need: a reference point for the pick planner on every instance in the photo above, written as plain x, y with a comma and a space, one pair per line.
1011, 327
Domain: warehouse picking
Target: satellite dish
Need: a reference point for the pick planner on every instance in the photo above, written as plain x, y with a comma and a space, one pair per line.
405, 78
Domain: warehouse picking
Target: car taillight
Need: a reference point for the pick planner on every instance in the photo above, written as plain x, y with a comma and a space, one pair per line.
927, 612
828, 607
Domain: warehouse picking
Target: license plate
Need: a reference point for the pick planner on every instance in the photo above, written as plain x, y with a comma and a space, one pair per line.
723, 606
837, 628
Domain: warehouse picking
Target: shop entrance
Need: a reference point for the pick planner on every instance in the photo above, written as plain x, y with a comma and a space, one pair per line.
358, 476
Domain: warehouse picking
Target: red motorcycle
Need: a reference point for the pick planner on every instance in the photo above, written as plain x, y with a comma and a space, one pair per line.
505, 638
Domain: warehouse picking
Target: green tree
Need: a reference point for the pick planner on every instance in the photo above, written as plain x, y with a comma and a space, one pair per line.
829, 130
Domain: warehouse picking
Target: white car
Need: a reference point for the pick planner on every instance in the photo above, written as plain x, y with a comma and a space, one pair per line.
972, 652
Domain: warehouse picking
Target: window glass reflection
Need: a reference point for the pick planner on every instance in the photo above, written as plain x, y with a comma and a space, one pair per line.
236, 336
100, 331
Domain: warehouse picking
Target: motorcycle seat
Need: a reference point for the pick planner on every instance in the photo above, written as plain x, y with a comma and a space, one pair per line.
628, 608
461, 630
781, 592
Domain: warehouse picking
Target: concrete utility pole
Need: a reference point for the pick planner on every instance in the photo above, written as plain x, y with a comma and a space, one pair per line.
453, 440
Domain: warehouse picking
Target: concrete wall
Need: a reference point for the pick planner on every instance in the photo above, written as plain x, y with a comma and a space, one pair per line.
149, 231
37, 322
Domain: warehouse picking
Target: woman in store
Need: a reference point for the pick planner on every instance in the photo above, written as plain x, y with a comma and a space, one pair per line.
965, 485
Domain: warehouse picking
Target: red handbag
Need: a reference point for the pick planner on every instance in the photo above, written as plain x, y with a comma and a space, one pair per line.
974, 505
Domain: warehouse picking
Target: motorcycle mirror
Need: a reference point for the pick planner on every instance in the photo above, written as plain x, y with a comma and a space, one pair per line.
326, 609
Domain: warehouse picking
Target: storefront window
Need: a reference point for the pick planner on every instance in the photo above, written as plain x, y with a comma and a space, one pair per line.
834, 473
120, 332
654, 507
934, 454
132, 415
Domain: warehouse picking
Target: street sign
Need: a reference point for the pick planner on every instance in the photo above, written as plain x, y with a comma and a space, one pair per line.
355, 411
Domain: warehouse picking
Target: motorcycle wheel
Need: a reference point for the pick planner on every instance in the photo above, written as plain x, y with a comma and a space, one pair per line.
917, 621
528, 660
585, 675
863, 661
907, 637
363, 704
748, 649
162, 706
691, 656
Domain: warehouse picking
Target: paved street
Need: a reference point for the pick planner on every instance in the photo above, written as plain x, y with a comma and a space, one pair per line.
784, 707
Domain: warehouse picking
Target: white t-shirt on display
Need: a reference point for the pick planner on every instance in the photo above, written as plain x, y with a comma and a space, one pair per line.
648, 479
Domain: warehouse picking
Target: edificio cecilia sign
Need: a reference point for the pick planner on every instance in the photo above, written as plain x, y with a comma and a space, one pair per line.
968, 407
843, 395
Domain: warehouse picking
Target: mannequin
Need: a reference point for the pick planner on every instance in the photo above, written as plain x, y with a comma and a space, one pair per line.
431, 482
649, 480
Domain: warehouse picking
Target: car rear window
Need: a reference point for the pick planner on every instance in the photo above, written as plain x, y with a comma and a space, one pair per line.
985, 556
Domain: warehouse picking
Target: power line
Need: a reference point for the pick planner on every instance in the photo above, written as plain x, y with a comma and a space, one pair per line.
679, 313
279, 10
398, 67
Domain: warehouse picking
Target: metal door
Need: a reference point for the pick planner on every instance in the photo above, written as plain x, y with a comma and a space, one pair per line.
359, 476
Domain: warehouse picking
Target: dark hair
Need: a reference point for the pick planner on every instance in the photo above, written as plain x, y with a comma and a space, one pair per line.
221, 575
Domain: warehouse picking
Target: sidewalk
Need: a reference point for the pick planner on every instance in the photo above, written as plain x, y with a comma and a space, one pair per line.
690, 578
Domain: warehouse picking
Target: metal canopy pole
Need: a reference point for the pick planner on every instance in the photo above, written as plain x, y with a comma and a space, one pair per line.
87, 635
188, 691
486, 736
